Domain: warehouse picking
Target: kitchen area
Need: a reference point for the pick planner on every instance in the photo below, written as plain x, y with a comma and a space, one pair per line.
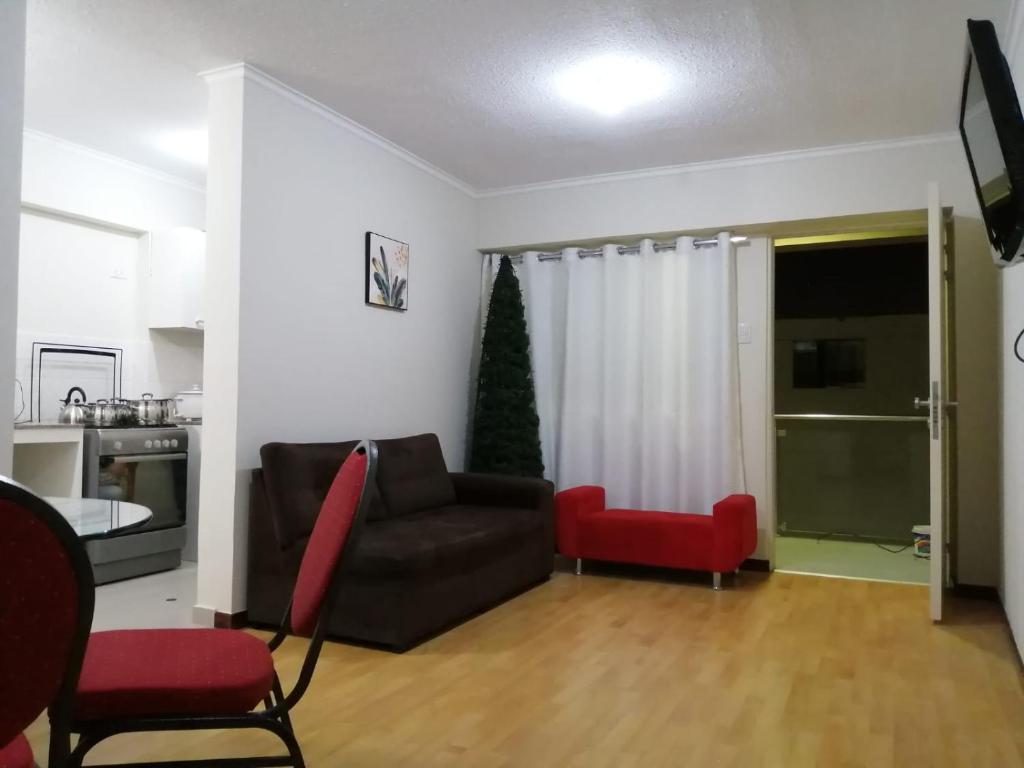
108, 392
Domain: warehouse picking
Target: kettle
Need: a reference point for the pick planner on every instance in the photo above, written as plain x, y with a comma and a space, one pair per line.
76, 411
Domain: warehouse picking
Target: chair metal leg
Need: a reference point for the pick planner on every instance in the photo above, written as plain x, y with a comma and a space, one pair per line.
287, 735
579, 566
716, 581
60, 746
279, 695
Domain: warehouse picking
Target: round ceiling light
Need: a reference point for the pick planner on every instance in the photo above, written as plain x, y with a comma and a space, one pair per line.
611, 84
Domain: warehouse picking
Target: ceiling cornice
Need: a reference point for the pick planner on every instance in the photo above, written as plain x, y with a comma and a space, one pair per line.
735, 162
95, 154
259, 77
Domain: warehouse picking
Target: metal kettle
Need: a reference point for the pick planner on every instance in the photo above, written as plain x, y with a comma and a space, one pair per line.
75, 411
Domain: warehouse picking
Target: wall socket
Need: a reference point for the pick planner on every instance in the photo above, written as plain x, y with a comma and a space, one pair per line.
744, 333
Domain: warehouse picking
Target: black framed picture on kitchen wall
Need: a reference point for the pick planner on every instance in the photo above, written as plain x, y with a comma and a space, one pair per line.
387, 272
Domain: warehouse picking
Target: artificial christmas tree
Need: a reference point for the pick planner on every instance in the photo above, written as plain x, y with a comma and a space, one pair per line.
506, 437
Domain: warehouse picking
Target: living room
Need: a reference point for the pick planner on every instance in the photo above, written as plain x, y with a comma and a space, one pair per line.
460, 142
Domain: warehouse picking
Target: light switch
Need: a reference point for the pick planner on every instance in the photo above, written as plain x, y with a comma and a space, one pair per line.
744, 333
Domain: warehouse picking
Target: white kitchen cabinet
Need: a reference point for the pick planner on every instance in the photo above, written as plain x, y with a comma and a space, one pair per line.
177, 268
48, 458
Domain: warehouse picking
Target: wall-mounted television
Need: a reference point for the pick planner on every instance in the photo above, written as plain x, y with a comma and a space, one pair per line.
992, 130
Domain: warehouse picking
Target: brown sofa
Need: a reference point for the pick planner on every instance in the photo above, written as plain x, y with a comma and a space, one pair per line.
437, 547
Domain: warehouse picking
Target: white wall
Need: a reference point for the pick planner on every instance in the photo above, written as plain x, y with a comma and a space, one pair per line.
1012, 385
308, 360
796, 186
85, 266
82, 283
12, 97
869, 178
63, 176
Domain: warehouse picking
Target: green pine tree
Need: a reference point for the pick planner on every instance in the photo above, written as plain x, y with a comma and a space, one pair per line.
506, 437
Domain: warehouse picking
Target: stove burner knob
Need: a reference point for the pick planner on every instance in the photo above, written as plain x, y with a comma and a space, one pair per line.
117, 445
167, 443
174, 443
149, 443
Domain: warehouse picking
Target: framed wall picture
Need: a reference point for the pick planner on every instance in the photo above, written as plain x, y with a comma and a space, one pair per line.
387, 272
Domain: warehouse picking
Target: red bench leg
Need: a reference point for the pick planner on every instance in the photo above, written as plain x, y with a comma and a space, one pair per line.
716, 580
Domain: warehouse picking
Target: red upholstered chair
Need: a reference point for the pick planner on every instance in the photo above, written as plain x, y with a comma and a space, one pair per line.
17, 754
46, 603
192, 679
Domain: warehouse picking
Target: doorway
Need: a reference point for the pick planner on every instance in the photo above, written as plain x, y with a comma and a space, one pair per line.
851, 355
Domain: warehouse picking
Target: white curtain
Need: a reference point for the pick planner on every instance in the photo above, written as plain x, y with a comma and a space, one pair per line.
636, 368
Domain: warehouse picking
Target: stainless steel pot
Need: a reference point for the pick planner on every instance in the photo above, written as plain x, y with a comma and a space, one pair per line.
114, 413
152, 411
74, 410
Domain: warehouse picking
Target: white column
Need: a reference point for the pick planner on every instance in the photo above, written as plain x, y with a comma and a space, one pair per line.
221, 486
12, 100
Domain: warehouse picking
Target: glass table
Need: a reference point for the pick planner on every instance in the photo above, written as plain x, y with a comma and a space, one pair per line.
100, 518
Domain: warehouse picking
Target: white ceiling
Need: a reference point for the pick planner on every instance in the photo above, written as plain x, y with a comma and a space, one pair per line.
467, 84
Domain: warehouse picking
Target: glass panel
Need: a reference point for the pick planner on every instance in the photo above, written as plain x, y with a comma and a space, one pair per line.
96, 518
157, 485
863, 478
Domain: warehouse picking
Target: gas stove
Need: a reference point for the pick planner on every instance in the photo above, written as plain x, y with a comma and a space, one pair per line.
141, 465
123, 441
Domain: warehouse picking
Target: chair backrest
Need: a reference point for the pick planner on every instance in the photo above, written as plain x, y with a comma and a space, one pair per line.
335, 534
46, 603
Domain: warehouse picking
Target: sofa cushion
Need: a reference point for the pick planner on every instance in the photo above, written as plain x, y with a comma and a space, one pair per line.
445, 540
296, 477
411, 475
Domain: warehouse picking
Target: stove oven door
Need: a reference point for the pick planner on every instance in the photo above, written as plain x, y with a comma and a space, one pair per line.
157, 481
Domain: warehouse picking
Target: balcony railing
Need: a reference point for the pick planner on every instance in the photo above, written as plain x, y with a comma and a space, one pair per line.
858, 475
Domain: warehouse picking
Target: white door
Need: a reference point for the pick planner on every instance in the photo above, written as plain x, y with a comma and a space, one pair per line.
937, 400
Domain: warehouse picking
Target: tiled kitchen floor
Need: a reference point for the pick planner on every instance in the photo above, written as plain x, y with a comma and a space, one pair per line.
148, 602
849, 559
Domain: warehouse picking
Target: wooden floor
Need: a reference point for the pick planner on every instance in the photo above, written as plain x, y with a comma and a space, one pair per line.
605, 671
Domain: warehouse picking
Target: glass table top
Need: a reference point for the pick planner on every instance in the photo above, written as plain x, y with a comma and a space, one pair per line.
97, 518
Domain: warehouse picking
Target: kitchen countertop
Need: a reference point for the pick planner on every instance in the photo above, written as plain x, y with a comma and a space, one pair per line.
46, 425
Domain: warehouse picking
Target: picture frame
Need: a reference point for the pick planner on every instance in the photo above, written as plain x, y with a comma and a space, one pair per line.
387, 272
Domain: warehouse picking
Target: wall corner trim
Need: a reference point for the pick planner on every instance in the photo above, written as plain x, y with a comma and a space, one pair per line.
257, 76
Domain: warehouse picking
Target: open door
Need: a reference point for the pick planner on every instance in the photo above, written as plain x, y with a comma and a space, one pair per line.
940, 400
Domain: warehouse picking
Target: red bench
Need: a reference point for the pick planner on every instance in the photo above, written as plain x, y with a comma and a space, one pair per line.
718, 542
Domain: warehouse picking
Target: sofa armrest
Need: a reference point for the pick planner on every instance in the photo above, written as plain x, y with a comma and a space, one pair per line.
735, 531
512, 492
570, 506
502, 490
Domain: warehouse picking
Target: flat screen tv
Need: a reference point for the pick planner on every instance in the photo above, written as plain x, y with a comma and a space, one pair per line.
992, 130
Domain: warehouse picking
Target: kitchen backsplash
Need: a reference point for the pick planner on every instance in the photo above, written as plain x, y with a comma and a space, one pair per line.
170, 361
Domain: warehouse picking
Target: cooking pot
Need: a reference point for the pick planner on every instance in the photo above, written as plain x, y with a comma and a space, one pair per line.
75, 411
114, 413
189, 404
151, 410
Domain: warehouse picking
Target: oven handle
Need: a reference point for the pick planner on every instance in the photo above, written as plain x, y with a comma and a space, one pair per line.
138, 459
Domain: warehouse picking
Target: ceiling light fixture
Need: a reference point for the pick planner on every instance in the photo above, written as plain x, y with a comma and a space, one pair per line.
189, 146
611, 84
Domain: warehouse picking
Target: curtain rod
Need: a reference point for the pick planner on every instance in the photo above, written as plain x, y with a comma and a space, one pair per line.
629, 249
